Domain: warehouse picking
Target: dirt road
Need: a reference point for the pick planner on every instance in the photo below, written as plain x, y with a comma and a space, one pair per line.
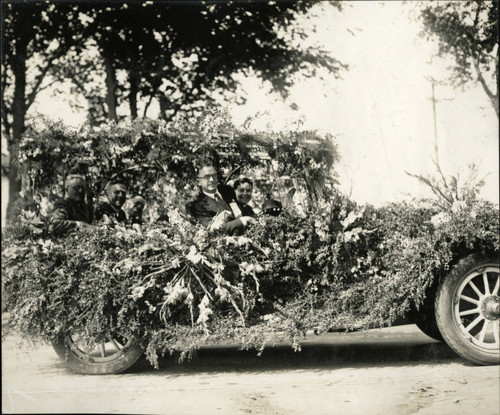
389, 371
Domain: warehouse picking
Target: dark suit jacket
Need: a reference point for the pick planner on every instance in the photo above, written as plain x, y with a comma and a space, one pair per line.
66, 213
246, 210
104, 208
204, 208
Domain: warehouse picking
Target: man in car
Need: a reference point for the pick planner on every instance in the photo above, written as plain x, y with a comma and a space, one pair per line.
111, 210
135, 209
214, 200
72, 212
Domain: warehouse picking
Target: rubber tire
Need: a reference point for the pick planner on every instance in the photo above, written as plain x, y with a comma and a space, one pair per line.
119, 364
444, 311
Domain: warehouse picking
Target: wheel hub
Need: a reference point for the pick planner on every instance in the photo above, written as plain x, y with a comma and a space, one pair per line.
490, 307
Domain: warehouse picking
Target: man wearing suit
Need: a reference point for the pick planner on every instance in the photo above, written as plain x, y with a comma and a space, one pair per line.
111, 209
71, 213
215, 199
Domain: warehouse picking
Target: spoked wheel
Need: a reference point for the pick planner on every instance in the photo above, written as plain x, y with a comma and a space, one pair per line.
468, 310
112, 355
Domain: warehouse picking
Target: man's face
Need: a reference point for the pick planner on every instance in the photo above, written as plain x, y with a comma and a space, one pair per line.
136, 209
76, 191
244, 193
207, 179
116, 195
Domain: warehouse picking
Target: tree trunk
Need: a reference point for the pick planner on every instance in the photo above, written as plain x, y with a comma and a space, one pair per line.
18, 123
134, 88
493, 98
110, 86
164, 107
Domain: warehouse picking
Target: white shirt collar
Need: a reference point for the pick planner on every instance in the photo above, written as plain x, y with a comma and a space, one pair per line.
212, 195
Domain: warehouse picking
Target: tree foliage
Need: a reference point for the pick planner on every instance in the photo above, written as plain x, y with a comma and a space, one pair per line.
175, 53
35, 36
468, 32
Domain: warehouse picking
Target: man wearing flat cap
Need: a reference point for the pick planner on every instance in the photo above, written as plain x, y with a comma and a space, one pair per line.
73, 212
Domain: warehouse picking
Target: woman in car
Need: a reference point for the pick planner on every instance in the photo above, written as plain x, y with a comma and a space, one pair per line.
243, 188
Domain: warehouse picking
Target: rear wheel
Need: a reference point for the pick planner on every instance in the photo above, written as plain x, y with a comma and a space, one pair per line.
468, 309
114, 354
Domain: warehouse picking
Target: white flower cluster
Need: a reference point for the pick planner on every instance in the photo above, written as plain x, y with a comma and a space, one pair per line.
125, 266
353, 234
320, 227
250, 269
137, 292
45, 206
205, 311
238, 240
272, 318
47, 245
117, 150
440, 219
176, 293
458, 206
219, 220
194, 256
352, 217
223, 293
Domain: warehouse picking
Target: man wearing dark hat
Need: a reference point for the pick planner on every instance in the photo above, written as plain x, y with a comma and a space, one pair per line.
213, 200
72, 212
272, 207
111, 210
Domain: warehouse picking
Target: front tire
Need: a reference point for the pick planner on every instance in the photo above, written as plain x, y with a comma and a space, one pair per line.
468, 309
113, 355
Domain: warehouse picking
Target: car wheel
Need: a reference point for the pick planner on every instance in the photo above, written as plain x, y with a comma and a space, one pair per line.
468, 309
112, 355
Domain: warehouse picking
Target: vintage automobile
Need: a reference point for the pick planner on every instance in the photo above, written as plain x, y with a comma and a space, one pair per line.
463, 309
436, 268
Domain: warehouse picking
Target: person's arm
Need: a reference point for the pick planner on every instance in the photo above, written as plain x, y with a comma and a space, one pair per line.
206, 218
237, 225
99, 212
233, 226
59, 222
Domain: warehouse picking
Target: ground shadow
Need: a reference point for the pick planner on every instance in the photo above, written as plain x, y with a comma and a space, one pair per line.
349, 353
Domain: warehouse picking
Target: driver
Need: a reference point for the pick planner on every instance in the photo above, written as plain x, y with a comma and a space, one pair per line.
215, 199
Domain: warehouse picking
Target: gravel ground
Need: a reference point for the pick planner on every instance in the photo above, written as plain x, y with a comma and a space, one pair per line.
397, 370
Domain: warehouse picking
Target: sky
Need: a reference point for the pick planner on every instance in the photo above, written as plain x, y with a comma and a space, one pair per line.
379, 112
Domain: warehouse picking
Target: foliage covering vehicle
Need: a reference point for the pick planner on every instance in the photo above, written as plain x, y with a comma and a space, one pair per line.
172, 286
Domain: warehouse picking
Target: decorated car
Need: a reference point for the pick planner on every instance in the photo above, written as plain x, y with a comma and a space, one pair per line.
106, 295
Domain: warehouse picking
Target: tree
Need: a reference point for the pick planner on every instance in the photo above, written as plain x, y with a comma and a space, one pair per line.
34, 37
468, 32
177, 53
181, 53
